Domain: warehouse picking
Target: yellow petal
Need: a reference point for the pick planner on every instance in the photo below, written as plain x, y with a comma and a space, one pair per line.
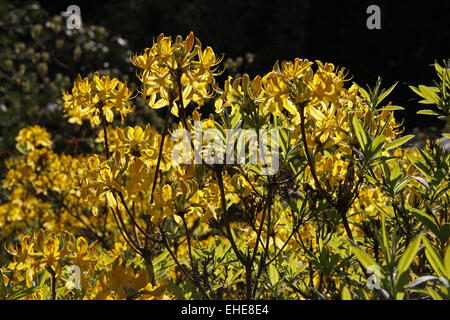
167, 193
109, 115
111, 199
189, 43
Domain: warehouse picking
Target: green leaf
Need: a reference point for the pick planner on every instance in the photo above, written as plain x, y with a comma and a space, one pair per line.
384, 242
421, 181
444, 232
363, 257
388, 120
220, 130
419, 164
433, 258
408, 256
428, 112
400, 186
398, 142
359, 131
427, 93
377, 144
236, 275
399, 295
364, 94
447, 262
435, 295
386, 93
284, 140
392, 108
425, 219
421, 280
274, 277
405, 261
235, 121
380, 209
2, 287
346, 294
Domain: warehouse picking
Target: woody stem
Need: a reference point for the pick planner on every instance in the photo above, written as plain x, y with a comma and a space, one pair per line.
105, 135
146, 250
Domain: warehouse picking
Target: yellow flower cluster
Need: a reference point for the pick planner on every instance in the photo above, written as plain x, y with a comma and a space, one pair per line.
91, 100
170, 69
151, 220
29, 138
81, 263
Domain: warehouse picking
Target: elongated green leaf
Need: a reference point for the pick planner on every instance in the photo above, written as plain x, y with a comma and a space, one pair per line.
408, 256
360, 134
346, 294
419, 164
399, 295
425, 219
363, 257
392, 108
405, 261
433, 258
220, 129
427, 93
422, 181
386, 93
398, 142
447, 262
380, 209
428, 112
388, 120
403, 184
444, 232
435, 295
385, 242
284, 139
377, 145
438, 68
2, 287
364, 94
421, 280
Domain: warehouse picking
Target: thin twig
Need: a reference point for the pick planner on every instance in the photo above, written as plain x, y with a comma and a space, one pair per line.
186, 273
188, 239
238, 253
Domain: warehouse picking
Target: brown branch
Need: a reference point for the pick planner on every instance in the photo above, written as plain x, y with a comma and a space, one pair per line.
238, 253
321, 192
105, 135
53, 274
180, 266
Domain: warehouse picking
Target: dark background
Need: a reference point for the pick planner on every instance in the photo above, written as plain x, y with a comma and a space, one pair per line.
413, 35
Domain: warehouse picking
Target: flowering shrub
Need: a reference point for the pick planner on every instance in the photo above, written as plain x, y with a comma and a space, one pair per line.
341, 214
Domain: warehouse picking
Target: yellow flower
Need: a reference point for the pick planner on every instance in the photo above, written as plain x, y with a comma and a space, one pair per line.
29, 138
167, 65
95, 99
